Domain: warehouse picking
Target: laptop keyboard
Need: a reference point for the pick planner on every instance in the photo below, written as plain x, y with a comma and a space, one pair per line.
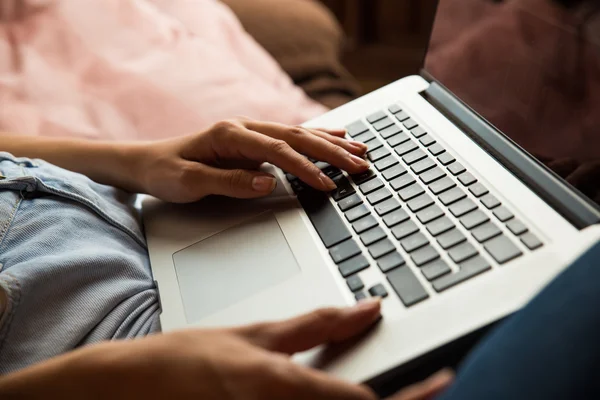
417, 210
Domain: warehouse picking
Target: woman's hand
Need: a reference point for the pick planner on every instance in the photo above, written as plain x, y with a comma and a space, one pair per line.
224, 160
244, 363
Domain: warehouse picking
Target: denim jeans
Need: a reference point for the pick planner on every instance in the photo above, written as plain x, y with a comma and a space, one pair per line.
74, 264
548, 350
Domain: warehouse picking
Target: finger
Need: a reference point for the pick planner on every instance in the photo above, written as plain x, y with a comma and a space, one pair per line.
356, 148
237, 183
305, 142
428, 389
334, 132
315, 385
310, 330
243, 143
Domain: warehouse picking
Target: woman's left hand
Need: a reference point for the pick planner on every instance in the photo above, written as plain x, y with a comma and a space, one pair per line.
224, 160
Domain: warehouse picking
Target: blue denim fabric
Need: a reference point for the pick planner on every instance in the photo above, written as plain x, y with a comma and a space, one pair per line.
74, 264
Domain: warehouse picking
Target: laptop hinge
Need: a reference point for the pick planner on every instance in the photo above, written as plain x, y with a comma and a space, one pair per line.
565, 199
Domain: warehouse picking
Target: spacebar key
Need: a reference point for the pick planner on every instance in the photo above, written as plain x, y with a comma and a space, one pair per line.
407, 286
324, 218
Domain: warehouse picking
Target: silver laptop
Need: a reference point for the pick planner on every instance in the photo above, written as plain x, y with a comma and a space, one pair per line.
455, 225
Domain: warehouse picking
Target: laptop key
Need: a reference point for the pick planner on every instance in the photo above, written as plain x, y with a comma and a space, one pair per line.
363, 177
398, 139
371, 186
450, 239
365, 137
357, 213
353, 265
413, 242
364, 224
474, 219
441, 185
390, 131
349, 202
359, 296
416, 130
414, 156
452, 196
404, 229
429, 214
468, 270
503, 214
344, 188
395, 218
407, 286
387, 207
432, 175
343, 251
439, 226
394, 172
355, 283
467, 179
423, 165
405, 148
411, 192
379, 115
478, 190
378, 291
324, 217
456, 168
356, 128
502, 249
436, 149
394, 108
434, 269
372, 235
378, 154
427, 140
419, 203
531, 241
382, 124
424, 255
381, 248
402, 116
446, 158
373, 145
410, 124
379, 196
385, 163
517, 227
462, 252
486, 232
462, 207
490, 201
402, 182
390, 261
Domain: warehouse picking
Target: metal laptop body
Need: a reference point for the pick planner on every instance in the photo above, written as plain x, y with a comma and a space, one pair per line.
224, 262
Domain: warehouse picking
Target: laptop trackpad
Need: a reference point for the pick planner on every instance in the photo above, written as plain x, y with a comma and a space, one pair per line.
232, 265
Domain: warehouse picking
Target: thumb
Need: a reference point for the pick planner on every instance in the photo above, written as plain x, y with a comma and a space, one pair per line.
319, 327
238, 183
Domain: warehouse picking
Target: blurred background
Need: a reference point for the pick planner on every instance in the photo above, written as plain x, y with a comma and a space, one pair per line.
385, 38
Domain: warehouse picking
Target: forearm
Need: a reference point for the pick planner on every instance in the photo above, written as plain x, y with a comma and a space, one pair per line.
109, 163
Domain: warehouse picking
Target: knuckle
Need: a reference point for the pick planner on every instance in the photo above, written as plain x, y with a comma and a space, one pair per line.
279, 146
236, 179
297, 131
224, 127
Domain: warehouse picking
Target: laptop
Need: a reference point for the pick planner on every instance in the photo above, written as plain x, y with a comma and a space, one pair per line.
456, 224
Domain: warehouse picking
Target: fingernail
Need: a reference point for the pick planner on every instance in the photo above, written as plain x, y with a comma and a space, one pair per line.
441, 378
368, 304
327, 181
361, 162
263, 184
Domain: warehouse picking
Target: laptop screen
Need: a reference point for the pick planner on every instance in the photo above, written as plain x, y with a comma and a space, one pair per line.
532, 69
